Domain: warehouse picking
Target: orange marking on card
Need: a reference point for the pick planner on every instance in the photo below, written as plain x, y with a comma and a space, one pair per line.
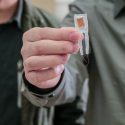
80, 22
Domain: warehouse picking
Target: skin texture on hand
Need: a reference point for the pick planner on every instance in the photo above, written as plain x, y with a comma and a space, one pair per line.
45, 51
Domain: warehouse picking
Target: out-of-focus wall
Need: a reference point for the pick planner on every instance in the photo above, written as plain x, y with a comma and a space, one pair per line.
48, 5
62, 8
57, 7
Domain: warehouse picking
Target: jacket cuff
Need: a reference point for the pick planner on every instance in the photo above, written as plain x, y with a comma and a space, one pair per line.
36, 95
39, 91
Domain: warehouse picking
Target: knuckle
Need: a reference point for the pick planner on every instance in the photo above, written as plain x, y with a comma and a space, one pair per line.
36, 28
25, 36
23, 50
38, 49
28, 64
46, 28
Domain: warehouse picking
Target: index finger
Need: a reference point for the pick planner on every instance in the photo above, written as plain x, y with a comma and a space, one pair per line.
59, 34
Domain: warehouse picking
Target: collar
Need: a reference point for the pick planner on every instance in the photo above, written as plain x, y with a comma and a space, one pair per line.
119, 5
18, 14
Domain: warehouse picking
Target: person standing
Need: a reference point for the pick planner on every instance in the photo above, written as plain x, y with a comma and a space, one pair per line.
106, 67
16, 17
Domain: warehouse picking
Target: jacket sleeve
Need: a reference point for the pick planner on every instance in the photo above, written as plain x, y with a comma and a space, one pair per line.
70, 86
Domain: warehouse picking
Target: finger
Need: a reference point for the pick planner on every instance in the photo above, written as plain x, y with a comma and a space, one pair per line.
40, 62
66, 34
38, 77
49, 83
48, 47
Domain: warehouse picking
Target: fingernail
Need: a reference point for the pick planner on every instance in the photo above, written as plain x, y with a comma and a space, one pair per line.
58, 69
74, 36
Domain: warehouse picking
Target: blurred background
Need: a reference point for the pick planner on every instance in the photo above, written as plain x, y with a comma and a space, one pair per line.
54, 6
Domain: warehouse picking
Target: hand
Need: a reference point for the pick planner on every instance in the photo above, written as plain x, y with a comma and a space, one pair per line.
45, 51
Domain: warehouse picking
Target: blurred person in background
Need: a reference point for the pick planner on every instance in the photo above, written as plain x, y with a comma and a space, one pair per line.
106, 68
17, 16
